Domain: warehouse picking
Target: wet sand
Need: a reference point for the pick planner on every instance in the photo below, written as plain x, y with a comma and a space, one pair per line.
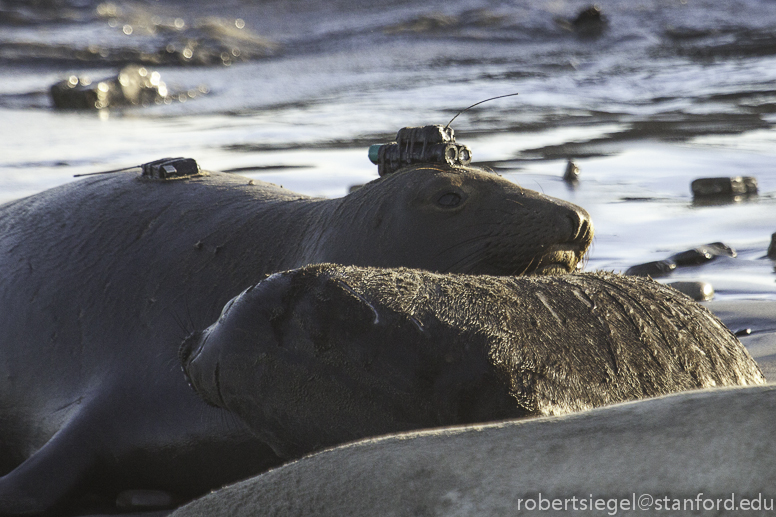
760, 317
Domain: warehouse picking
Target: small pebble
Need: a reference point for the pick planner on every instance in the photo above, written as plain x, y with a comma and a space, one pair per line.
698, 291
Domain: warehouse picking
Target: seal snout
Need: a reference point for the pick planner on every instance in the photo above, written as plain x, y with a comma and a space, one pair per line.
565, 247
582, 231
190, 343
577, 232
581, 227
198, 370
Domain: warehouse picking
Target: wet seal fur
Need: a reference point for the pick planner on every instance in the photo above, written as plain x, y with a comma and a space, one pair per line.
328, 354
708, 444
98, 274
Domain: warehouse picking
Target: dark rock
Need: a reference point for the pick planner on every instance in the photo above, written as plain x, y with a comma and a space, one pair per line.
590, 22
724, 188
589, 16
702, 254
654, 269
721, 249
693, 257
572, 172
133, 86
772, 248
698, 291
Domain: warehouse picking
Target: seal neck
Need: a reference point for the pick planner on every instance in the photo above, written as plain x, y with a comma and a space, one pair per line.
323, 224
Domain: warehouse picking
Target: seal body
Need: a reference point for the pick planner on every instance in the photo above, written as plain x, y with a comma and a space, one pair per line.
327, 354
671, 454
102, 278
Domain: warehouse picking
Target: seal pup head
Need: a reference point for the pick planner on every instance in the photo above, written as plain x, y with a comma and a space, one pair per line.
308, 362
458, 220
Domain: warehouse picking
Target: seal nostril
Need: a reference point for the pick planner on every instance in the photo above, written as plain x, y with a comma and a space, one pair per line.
583, 229
576, 225
580, 226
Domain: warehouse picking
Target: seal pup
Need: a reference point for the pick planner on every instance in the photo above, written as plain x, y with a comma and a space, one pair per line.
680, 454
328, 354
98, 273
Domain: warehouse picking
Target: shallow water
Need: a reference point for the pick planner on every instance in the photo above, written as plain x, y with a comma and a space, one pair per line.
670, 91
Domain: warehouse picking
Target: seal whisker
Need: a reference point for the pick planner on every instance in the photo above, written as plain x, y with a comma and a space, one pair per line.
173, 364
478, 224
509, 214
462, 243
525, 269
217, 380
467, 262
186, 325
465, 258
228, 419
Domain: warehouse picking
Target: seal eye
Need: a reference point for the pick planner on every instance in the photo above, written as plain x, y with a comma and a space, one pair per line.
449, 200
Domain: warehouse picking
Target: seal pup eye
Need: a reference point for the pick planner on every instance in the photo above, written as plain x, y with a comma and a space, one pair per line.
449, 200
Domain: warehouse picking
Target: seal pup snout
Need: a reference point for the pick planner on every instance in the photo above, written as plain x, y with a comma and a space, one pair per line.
244, 327
203, 379
190, 343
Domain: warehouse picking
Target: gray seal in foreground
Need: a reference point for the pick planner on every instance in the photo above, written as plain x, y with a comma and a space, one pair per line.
714, 448
328, 354
102, 278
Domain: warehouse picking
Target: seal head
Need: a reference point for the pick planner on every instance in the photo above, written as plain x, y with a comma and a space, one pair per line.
493, 226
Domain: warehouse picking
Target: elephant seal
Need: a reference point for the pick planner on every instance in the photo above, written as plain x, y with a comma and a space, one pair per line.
693, 453
327, 354
102, 278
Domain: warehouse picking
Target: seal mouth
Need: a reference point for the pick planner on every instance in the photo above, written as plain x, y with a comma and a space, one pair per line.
189, 351
559, 259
